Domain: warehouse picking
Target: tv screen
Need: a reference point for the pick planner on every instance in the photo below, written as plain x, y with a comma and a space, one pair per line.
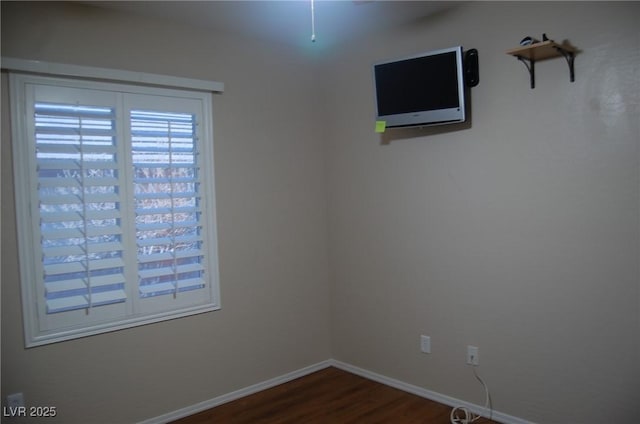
425, 89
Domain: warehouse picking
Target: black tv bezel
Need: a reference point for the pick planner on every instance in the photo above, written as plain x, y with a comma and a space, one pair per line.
431, 116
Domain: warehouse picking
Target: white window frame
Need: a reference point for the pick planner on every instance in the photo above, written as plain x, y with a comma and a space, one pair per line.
25, 74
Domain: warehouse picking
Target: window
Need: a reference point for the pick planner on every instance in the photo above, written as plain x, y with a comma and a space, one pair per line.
115, 205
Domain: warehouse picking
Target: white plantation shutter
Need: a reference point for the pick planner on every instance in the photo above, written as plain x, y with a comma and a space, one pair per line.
79, 206
167, 203
116, 225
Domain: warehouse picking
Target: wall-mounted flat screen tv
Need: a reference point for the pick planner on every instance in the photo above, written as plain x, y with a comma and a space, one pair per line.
425, 89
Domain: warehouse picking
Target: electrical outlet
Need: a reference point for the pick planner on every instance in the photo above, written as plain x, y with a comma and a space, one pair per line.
425, 344
472, 355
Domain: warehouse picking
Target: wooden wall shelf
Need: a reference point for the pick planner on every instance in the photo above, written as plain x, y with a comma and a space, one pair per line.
532, 53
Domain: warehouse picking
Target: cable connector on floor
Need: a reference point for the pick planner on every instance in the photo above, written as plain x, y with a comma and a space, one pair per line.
462, 415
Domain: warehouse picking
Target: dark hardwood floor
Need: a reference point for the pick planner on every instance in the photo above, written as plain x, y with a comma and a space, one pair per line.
325, 397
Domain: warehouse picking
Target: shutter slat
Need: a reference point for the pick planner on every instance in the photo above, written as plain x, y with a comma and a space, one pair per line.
77, 216
144, 196
74, 250
103, 214
60, 217
97, 182
63, 268
154, 226
68, 164
168, 256
108, 297
69, 233
70, 199
75, 267
169, 240
54, 165
49, 148
105, 247
65, 285
54, 130
187, 224
168, 225
164, 180
80, 283
148, 289
166, 271
164, 211
61, 199
100, 264
101, 198
163, 165
66, 233
107, 230
155, 147
151, 117
58, 182
191, 283
66, 304
58, 110
155, 257
155, 272
82, 302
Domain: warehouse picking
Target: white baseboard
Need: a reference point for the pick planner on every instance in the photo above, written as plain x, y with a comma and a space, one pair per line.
409, 388
428, 394
217, 401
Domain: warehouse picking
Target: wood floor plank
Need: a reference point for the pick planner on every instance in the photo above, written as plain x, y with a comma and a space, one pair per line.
328, 396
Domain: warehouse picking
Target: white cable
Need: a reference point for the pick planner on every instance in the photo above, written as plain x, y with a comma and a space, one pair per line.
462, 415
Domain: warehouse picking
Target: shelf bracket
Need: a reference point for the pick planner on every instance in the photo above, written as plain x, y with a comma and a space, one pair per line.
569, 57
530, 64
543, 50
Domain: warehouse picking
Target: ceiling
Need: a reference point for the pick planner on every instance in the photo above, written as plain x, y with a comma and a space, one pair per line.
287, 22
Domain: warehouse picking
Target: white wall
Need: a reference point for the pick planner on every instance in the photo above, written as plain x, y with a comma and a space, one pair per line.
271, 214
518, 234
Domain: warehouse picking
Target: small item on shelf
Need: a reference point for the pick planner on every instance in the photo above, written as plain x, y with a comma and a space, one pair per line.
527, 41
